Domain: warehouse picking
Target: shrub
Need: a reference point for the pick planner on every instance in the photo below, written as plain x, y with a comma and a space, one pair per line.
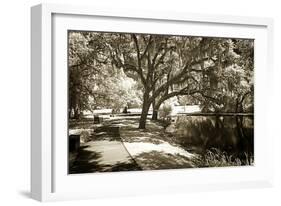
195, 130
164, 111
217, 158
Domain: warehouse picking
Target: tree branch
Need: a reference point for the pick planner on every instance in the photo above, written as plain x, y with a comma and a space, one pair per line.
140, 72
180, 77
147, 46
160, 60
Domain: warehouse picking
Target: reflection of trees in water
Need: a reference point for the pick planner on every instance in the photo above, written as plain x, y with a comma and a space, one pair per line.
216, 132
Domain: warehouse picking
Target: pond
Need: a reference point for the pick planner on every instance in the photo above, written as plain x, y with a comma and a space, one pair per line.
231, 134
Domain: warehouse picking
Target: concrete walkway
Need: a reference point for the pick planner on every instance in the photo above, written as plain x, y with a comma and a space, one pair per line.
151, 149
105, 153
120, 146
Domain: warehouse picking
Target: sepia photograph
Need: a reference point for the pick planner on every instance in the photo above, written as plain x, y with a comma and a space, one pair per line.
139, 102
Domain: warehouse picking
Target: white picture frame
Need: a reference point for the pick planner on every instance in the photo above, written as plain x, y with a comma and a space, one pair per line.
49, 179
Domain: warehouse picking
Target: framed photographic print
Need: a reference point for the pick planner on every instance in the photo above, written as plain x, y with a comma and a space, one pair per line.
137, 102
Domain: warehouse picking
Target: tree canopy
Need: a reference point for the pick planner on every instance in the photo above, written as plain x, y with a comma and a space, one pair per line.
117, 69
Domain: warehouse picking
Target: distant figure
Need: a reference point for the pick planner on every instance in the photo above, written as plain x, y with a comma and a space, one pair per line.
112, 113
125, 110
96, 119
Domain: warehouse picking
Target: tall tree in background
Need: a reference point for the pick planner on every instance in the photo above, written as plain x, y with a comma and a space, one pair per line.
194, 65
230, 78
158, 62
82, 67
93, 81
214, 71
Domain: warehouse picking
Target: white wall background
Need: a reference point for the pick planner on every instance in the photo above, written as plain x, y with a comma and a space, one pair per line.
15, 101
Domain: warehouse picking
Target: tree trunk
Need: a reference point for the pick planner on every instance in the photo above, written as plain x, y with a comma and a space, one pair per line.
155, 114
77, 113
239, 122
143, 118
144, 112
155, 110
70, 113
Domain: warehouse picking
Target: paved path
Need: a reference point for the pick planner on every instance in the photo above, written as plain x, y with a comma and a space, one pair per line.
120, 146
105, 153
152, 148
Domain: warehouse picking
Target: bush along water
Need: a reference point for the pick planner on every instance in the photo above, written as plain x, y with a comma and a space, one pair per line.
216, 139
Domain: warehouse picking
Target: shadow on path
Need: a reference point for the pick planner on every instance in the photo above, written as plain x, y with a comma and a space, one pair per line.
155, 160
118, 145
152, 148
105, 153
